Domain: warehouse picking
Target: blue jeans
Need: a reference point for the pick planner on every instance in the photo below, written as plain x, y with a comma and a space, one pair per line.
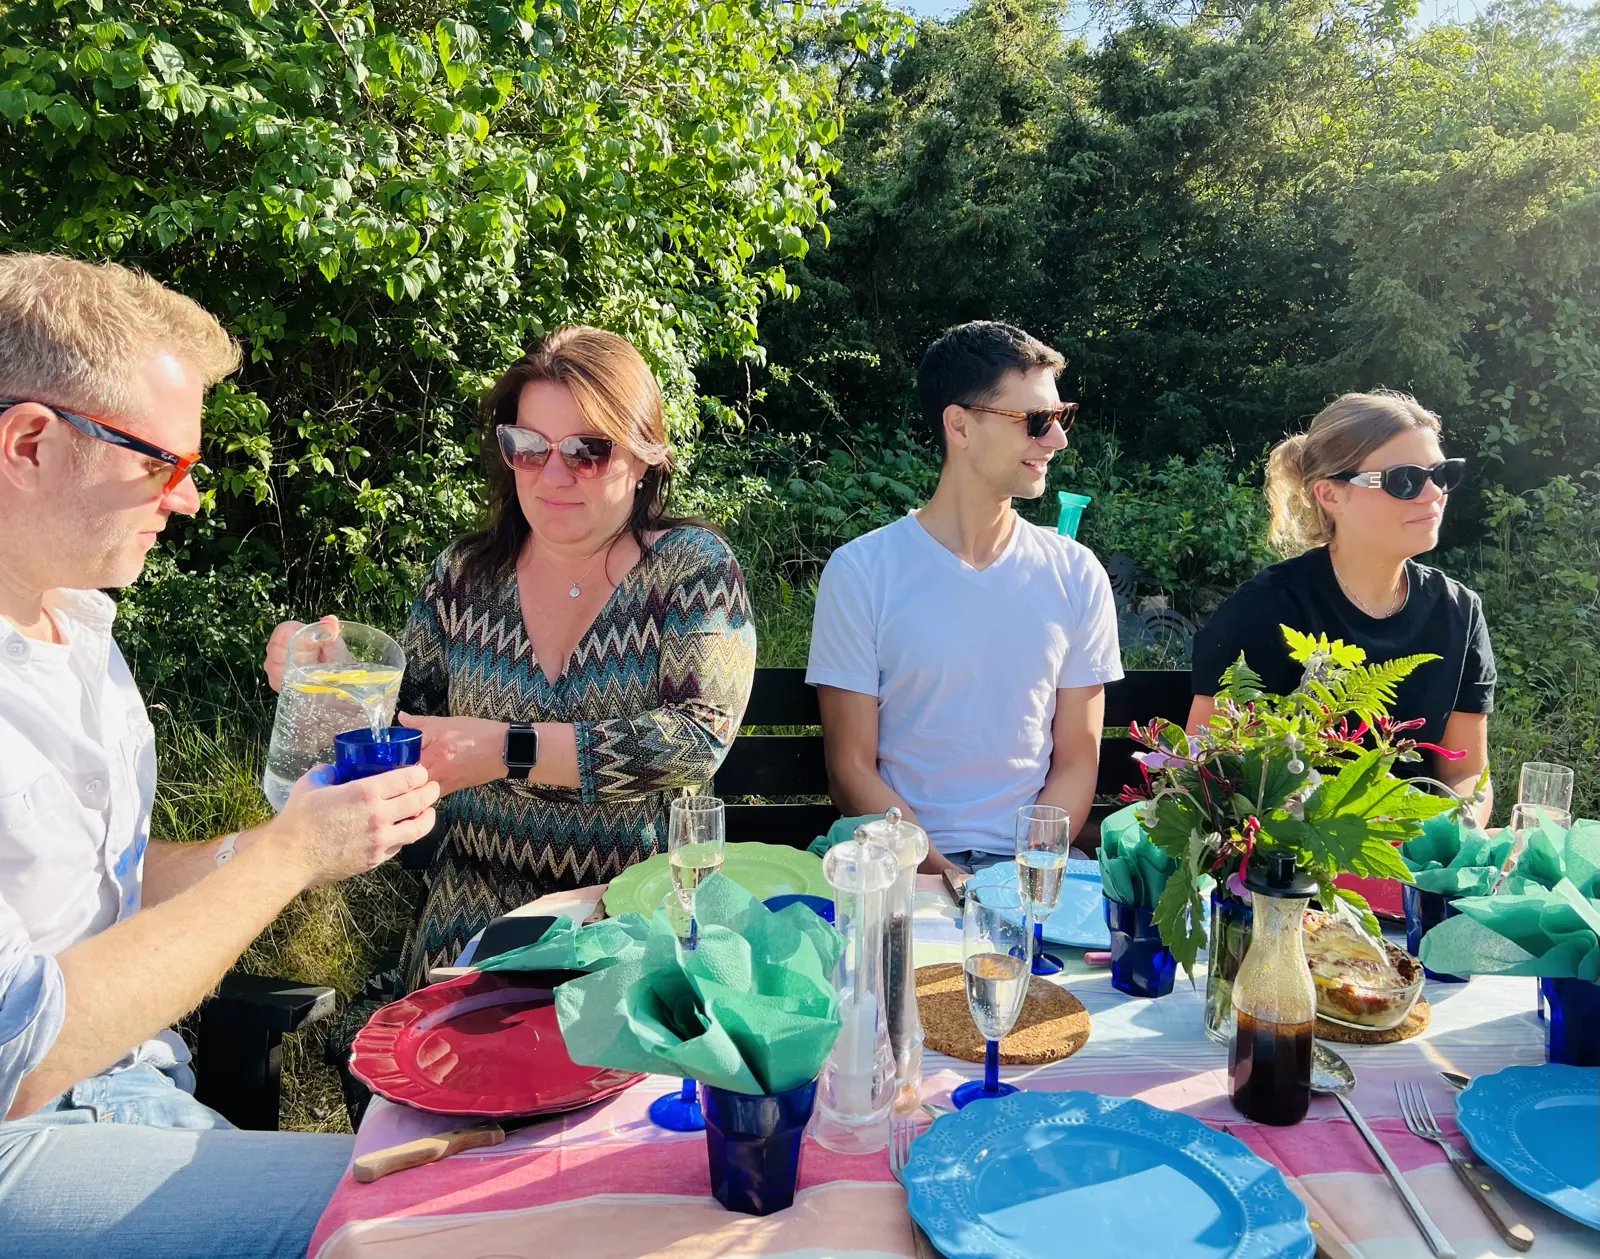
131, 1165
971, 860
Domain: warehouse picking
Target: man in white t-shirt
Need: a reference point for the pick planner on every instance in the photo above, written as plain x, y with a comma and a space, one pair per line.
960, 655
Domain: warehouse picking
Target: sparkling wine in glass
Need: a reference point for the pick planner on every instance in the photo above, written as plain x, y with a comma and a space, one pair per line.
695, 835
680, 1111
1042, 842
996, 940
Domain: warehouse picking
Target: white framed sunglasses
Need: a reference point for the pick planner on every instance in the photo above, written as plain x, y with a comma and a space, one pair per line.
1405, 480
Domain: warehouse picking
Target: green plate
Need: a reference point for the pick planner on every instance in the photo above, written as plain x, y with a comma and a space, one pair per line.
763, 870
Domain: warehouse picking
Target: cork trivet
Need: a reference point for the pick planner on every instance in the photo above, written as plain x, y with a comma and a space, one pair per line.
1053, 1023
1415, 1024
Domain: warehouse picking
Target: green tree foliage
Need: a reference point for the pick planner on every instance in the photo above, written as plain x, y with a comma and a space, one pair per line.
1223, 220
387, 202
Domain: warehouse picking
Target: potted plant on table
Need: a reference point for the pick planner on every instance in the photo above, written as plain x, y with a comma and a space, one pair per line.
1310, 772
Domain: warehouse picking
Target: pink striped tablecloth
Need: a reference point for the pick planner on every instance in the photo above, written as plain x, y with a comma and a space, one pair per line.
605, 1183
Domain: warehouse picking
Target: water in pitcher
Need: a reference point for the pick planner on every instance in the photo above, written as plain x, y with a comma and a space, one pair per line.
317, 702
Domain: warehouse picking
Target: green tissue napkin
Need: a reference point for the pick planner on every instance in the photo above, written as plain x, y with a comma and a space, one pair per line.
566, 947
1545, 921
752, 1008
1446, 860
1133, 871
843, 829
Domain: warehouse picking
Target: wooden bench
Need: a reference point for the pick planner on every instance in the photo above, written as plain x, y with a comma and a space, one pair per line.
786, 765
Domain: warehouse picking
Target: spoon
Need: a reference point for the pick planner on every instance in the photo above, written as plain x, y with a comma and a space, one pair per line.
1332, 1076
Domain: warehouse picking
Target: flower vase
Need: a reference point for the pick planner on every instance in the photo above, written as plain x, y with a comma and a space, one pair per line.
1228, 941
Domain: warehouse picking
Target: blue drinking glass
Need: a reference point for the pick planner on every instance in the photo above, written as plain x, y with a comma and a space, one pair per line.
1424, 912
680, 1111
357, 754
754, 1143
1141, 965
1572, 1021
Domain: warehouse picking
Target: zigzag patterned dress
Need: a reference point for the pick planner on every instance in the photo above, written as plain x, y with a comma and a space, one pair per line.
656, 687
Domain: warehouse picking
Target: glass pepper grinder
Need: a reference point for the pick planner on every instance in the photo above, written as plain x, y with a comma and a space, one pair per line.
1274, 999
908, 844
856, 1087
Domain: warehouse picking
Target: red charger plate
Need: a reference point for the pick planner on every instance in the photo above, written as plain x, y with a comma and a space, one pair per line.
1385, 896
483, 1044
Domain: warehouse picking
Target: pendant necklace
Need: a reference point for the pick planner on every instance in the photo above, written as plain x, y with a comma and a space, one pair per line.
577, 586
1350, 595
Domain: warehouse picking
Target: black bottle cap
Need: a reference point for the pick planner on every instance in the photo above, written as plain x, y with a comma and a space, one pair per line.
1273, 872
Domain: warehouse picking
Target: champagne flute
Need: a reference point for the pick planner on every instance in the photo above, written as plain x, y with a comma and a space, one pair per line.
696, 827
680, 1111
1042, 842
996, 934
1546, 784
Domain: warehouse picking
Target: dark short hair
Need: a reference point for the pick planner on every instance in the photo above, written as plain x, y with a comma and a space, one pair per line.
965, 365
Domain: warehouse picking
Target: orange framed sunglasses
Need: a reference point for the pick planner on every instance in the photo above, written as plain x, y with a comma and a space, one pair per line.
93, 426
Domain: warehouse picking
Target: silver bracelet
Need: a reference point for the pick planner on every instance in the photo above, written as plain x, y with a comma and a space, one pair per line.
225, 852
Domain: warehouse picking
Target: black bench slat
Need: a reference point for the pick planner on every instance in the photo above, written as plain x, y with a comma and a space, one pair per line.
795, 825
780, 697
774, 765
1146, 693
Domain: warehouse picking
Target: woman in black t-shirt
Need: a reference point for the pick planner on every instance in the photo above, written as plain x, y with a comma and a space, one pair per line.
1354, 498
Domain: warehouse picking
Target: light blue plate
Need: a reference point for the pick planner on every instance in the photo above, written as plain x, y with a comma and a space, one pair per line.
1539, 1127
1041, 1175
1077, 921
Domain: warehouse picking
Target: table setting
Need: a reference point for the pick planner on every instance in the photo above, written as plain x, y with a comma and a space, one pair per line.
849, 1058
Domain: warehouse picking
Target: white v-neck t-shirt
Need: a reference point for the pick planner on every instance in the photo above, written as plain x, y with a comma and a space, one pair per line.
965, 664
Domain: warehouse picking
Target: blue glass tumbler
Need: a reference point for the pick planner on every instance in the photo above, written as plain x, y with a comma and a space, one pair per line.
1424, 912
356, 754
1141, 965
1572, 1022
754, 1143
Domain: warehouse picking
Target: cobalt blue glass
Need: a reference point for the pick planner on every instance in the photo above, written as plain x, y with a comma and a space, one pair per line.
356, 754
1141, 965
1424, 912
819, 905
754, 1143
1572, 1021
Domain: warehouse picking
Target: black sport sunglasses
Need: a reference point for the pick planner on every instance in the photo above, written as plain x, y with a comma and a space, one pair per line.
1405, 480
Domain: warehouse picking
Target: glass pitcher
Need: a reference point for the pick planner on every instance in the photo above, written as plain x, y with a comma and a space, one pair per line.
1274, 999
856, 1088
908, 844
337, 676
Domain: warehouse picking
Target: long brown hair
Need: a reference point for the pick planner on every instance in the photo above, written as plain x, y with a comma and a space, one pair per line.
617, 396
1341, 436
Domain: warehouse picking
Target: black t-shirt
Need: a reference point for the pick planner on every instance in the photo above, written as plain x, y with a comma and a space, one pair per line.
1440, 616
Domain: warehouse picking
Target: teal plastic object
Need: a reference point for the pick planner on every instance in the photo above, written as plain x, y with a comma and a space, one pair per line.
1072, 506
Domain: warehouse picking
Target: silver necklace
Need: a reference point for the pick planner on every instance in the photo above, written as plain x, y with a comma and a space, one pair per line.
576, 588
1350, 594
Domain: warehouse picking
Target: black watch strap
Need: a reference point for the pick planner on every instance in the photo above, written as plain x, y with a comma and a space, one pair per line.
521, 750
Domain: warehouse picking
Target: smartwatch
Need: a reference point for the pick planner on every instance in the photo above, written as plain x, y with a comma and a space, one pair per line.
522, 749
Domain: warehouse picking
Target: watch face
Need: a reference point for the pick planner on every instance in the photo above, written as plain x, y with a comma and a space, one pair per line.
522, 747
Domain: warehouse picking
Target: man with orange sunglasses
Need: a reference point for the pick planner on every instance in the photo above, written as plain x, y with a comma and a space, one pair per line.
108, 936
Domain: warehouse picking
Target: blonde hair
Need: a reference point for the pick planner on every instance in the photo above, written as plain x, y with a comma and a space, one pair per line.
78, 334
1341, 436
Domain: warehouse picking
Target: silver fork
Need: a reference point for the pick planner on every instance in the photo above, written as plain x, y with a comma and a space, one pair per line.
1418, 1114
902, 1132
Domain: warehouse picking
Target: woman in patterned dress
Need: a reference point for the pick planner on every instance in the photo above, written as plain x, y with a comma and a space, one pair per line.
623, 635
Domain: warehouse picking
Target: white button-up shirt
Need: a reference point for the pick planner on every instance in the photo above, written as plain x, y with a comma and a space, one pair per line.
77, 785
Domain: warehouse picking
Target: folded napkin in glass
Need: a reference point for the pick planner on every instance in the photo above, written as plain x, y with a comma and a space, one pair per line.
1545, 920
750, 1008
1133, 871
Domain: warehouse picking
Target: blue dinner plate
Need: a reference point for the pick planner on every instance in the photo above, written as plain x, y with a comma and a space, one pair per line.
1040, 1175
1539, 1127
1077, 920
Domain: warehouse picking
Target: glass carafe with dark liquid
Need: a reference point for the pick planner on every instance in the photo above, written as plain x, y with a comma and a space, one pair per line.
1274, 1000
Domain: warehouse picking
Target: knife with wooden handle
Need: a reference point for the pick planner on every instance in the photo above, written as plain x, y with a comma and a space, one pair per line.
1483, 1185
398, 1158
